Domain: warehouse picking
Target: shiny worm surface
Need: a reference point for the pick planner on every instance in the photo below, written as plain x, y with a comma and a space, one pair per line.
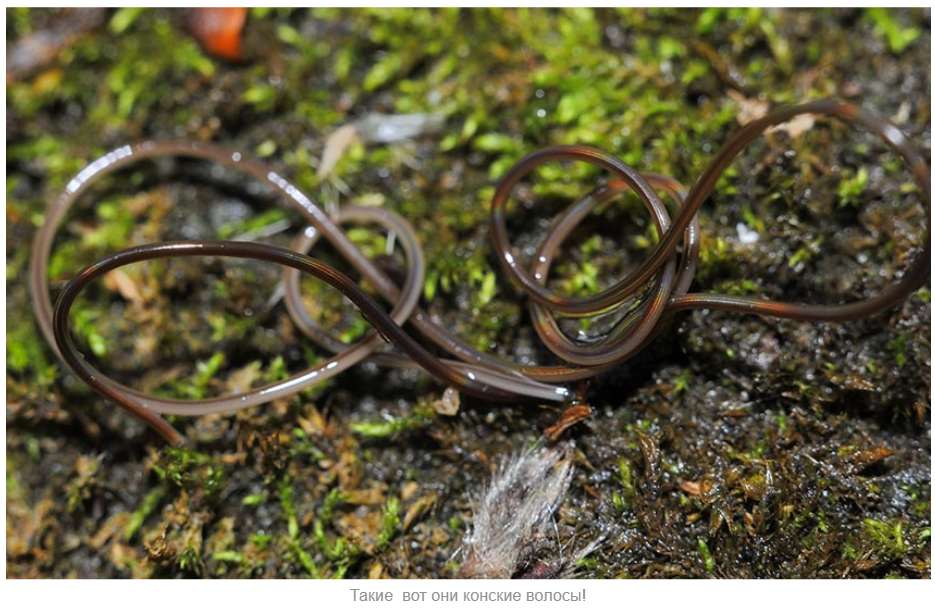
659, 286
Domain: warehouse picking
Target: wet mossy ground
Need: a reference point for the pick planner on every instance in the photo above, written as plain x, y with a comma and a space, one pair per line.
734, 446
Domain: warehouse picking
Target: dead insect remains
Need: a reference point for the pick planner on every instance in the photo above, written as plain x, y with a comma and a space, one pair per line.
515, 534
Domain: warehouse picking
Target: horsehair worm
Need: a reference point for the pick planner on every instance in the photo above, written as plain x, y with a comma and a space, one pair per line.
658, 288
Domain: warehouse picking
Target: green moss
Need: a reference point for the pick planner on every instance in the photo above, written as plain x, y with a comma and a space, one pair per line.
83, 484
124, 18
261, 540
886, 536
683, 382
26, 353
229, 556
390, 522
190, 560
287, 505
198, 473
55, 156
851, 189
226, 326
86, 320
199, 385
716, 260
339, 553
805, 253
885, 25
139, 516
899, 349
253, 224
302, 444
13, 487
706, 556
420, 417
488, 289
625, 478
148, 66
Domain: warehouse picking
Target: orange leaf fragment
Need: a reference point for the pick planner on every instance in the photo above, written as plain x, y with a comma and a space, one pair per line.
217, 30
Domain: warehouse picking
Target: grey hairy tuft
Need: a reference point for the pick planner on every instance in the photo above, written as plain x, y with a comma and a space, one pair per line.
514, 534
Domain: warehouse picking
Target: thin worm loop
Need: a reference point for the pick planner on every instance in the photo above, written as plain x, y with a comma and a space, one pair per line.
647, 296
